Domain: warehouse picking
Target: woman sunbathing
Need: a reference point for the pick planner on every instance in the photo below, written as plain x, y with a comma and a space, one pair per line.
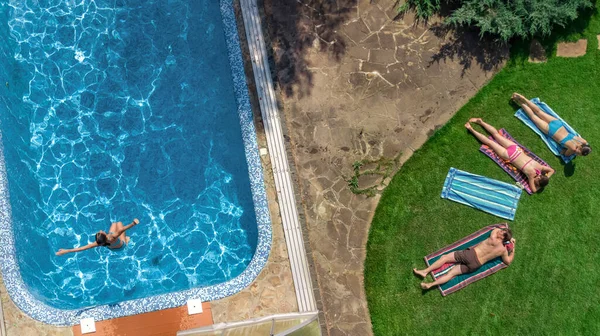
553, 127
538, 175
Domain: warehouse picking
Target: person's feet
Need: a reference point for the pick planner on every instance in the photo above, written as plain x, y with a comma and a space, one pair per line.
468, 126
127, 240
519, 99
425, 286
422, 274
476, 120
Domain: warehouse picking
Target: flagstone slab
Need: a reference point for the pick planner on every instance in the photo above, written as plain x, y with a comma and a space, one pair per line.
572, 49
537, 53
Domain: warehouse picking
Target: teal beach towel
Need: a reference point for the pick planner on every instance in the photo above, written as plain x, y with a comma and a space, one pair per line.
492, 196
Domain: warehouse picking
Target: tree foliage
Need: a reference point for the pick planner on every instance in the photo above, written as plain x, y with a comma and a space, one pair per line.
505, 18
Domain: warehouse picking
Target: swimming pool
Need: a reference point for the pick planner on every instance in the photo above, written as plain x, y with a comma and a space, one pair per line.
123, 109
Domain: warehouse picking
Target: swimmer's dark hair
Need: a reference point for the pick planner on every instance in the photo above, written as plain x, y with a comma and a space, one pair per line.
102, 239
585, 149
507, 235
543, 181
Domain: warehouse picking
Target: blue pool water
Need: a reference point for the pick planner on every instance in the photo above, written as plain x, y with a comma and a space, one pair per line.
114, 110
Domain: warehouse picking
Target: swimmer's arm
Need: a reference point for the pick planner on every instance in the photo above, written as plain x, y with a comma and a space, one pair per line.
507, 258
77, 249
127, 227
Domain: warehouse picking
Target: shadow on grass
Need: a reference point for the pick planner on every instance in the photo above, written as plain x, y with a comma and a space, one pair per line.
573, 32
569, 168
488, 52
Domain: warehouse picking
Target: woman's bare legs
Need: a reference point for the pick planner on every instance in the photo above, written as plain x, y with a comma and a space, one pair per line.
499, 149
122, 236
521, 100
494, 132
537, 115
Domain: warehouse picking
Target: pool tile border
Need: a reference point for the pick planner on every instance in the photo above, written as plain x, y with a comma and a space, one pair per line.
40, 311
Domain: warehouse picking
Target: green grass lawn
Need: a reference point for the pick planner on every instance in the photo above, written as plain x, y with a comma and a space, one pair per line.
553, 286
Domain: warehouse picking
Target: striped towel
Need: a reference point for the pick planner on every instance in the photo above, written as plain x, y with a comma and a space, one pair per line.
554, 146
461, 281
486, 194
513, 171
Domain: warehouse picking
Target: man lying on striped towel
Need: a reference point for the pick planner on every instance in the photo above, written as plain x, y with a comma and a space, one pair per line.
472, 258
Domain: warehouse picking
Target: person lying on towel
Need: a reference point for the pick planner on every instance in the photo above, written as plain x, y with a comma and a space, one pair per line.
553, 127
471, 259
538, 175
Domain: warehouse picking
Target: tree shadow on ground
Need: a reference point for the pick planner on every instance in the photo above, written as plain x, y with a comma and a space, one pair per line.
465, 44
469, 48
293, 27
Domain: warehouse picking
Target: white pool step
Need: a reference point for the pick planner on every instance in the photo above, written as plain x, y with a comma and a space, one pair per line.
277, 152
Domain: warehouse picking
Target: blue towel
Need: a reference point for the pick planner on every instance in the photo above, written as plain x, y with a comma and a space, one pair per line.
479, 192
554, 146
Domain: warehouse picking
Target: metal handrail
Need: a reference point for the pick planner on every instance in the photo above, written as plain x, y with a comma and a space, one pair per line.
228, 325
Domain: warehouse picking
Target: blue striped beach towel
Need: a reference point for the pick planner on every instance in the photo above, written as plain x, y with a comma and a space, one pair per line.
555, 147
483, 193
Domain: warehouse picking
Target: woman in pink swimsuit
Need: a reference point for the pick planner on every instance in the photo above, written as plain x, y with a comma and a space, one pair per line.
537, 174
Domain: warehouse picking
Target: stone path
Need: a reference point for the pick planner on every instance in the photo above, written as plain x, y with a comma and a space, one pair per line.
355, 85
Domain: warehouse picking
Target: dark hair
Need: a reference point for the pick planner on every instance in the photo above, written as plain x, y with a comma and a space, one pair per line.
507, 235
102, 239
543, 181
585, 149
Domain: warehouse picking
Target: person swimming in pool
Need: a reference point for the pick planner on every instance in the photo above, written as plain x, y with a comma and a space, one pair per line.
555, 128
473, 257
538, 175
114, 239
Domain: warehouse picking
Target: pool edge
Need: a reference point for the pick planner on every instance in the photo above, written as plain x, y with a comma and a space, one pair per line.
40, 311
